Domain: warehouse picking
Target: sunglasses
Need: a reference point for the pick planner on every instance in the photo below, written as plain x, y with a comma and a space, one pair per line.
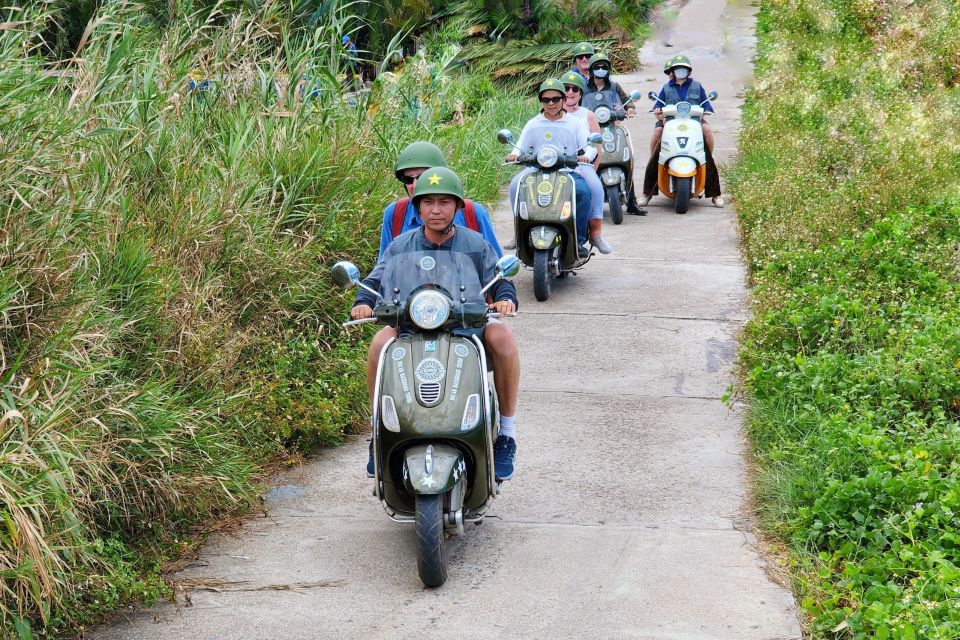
572, 87
582, 57
601, 67
408, 180
553, 100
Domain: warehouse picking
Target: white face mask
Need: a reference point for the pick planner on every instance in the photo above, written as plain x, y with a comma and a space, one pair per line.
601, 73
681, 72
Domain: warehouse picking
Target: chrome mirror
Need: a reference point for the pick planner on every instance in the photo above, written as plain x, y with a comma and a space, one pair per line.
508, 266
345, 274
505, 136
595, 138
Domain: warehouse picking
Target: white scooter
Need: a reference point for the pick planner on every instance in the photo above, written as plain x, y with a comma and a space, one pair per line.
682, 170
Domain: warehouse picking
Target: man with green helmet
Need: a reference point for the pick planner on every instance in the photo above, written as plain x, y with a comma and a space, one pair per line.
681, 88
568, 135
401, 216
581, 59
437, 198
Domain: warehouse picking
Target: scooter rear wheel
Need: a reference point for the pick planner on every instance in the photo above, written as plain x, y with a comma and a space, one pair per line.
682, 201
541, 274
616, 207
431, 541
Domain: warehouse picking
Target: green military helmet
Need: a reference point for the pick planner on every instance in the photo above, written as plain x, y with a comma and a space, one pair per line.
419, 155
574, 78
677, 61
551, 84
597, 58
584, 48
438, 181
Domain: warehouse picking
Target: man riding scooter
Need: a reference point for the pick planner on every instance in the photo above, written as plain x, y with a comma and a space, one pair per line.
581, 60
437, 197
413, 160
681, 88
553, 127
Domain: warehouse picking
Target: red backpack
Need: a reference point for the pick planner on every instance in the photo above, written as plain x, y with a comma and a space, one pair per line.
469, 215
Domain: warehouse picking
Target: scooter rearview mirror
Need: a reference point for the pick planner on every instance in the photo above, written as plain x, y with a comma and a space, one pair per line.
712, 96
508, 266
505, 136
595, 138
345, 274
636, 95
652, 95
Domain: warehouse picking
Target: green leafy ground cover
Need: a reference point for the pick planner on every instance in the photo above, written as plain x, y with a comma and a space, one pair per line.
167, 325
849, 206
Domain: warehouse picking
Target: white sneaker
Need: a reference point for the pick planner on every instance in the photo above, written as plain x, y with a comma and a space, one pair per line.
646, 200
602, 245
718, 201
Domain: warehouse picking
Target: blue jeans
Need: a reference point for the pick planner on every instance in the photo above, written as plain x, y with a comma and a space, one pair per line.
596, 190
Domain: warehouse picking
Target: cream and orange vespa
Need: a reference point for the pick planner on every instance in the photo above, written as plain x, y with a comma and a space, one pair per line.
682, 170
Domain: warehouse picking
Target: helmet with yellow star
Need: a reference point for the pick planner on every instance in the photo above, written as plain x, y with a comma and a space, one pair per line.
550, 84
677, 61
583, 49
438, 181
574, 78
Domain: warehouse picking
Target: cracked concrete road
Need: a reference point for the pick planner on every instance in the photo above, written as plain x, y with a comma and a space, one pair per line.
626, 518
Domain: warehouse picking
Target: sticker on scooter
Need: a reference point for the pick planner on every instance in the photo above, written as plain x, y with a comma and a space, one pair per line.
430, 370
427, 263
461, 350
545, 188
429, 346
398, 353
683, 142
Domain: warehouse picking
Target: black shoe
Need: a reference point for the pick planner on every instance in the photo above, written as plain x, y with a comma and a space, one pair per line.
583, 251
504, 453
635, 209
370, 461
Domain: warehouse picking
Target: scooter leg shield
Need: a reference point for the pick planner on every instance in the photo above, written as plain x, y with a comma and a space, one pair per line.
611, 176
431, 469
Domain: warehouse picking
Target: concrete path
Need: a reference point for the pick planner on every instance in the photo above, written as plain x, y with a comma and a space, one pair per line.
626, 517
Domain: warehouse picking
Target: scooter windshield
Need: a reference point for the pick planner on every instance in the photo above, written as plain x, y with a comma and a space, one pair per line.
453, 272
608, 98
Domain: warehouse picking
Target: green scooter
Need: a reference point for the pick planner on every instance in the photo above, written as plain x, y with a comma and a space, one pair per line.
434, 409
616, 161
545, 214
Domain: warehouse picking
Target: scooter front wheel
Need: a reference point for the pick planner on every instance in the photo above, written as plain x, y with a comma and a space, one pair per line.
431, 541
541, 274
682, 192
616, 207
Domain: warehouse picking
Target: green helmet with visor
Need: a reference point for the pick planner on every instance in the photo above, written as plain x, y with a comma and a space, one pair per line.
419, 155
677, 61
438, 181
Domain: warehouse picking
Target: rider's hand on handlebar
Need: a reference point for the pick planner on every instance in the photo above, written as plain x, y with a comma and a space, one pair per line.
361, 311
659, 114
503, 307
631, 112
512, 157
583, 159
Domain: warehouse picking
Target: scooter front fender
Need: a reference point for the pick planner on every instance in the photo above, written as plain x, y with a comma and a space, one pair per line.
431, 469
611, 176
544, 237
682, 166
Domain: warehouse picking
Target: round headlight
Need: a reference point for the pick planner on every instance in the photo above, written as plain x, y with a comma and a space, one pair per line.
683, 109
429, 309
547, 157
603, 114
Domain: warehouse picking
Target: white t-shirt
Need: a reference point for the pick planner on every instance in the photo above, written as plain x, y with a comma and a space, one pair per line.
568, 134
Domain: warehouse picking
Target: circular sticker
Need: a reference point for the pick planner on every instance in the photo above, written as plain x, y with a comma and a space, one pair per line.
599, 96
528, 180
545, 188
682, 127
427, 263
430, 370
461, 350
398, 353
548, 136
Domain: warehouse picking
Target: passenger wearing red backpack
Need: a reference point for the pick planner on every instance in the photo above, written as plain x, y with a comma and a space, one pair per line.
416, 158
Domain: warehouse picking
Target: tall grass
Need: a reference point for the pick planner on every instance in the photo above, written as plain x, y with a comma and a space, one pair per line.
848, 202
166, 321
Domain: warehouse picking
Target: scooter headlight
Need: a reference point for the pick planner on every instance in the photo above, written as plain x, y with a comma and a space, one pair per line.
683, 109
602, 114
429, 309
547, 157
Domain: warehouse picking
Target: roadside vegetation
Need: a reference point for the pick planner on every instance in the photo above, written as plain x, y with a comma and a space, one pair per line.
167, 325
849, 207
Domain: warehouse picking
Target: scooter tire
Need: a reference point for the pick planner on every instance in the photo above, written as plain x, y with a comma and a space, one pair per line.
681, 201
616, 207
541, 275
431, 541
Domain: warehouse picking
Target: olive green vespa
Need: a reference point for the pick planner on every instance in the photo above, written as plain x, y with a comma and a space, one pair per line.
434, 407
